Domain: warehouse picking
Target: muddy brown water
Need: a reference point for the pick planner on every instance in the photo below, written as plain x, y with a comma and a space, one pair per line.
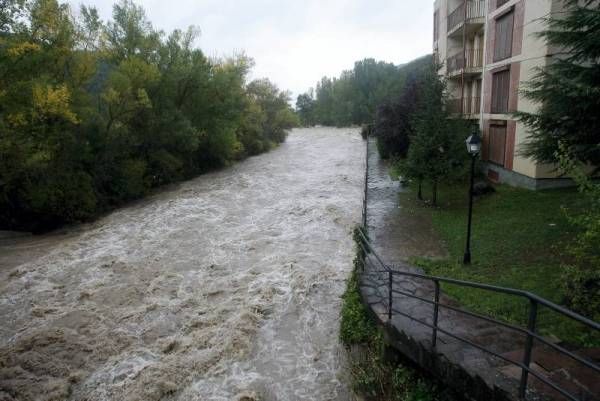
223, 287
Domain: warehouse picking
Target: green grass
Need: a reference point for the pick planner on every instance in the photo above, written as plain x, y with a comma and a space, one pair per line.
519, 239
395, 172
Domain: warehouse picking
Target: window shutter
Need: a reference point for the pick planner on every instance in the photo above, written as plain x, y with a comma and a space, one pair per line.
504, 36
500, 91
497, 144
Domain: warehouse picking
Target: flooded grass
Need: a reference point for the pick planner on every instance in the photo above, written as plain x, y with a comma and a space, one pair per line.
519, 241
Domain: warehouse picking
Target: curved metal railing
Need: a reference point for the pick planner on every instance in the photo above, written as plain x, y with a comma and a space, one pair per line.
377, 265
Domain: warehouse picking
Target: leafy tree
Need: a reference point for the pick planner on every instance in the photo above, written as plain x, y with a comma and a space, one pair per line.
568, 88
305, 107
354, 97
9, 11
130, 34
393, 121
436, 151
275, 104
94, 114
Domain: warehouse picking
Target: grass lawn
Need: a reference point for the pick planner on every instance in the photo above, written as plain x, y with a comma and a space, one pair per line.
519, 240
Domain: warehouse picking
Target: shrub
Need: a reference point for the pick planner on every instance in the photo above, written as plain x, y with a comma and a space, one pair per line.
581, 280
356, 326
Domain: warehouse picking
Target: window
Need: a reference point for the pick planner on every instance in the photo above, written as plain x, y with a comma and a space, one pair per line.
497, 143
500, 91
504, 36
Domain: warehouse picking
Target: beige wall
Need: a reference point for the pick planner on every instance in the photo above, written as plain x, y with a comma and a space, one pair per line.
529, 52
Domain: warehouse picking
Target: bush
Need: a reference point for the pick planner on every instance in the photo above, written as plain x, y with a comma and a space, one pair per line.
356, 326
582, 289
581, 280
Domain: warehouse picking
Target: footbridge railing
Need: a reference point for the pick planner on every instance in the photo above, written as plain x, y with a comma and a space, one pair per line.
374, 264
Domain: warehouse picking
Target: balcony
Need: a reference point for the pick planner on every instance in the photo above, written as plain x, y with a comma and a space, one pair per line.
470, 62
468, 107
473, 19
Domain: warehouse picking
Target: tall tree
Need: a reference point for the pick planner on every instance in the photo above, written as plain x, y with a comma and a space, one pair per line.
436, 151
9, 11
305, 107
393, 121
354, 96
93, 114
568, 88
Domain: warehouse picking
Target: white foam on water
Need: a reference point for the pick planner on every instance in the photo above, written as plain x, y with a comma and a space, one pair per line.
223, 287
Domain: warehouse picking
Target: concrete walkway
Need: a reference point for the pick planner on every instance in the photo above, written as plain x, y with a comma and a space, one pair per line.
469, 370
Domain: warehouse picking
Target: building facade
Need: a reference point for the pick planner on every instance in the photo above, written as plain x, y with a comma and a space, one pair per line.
488, 48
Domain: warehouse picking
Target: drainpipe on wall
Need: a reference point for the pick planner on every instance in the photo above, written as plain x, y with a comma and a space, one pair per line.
484, 65
462, 75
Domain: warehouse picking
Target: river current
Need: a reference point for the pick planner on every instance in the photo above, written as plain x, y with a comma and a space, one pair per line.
225, 287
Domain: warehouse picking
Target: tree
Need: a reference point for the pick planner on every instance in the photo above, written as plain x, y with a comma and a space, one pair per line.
279, 116
568, 88
305, 107
9, 11
354, 97
436, 151
393, 121
130, 34
93, 114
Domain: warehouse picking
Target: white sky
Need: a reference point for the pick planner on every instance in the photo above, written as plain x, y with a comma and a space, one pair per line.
295, 43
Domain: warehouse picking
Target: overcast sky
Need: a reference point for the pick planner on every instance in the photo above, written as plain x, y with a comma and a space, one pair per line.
295, 43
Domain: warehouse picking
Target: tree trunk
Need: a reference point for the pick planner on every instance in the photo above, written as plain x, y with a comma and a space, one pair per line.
434, 200
420, 193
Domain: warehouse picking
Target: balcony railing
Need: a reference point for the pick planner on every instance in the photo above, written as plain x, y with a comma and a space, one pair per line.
470, 105
475, 9
473, 59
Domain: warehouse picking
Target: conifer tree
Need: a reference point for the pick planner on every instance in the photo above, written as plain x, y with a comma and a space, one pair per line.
567, 88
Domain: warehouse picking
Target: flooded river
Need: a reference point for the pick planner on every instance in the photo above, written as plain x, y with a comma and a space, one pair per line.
226, 287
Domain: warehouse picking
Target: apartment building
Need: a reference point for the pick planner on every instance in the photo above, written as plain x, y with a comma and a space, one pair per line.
488, 49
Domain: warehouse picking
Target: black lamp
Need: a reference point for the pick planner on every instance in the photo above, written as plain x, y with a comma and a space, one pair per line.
473, 147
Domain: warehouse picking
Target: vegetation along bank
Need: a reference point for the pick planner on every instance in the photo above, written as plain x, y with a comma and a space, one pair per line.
94, 114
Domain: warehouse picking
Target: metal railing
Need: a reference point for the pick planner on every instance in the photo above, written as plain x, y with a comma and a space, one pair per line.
470, 59
475, 9
372, 260
366, 191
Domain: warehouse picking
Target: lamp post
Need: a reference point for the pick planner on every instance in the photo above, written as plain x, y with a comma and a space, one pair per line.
473, 147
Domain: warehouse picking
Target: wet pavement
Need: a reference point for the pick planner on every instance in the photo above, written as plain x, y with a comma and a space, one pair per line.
398, 234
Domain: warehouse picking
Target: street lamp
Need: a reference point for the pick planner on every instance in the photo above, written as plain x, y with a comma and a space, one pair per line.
473, 147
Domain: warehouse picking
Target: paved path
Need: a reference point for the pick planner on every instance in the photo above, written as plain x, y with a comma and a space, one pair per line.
391, 234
